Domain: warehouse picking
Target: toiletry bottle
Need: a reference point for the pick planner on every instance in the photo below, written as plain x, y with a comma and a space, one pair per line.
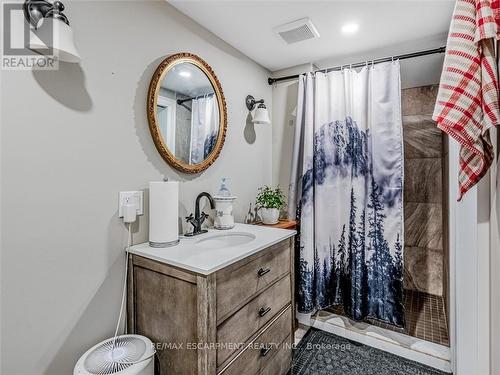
250, 217
224, 191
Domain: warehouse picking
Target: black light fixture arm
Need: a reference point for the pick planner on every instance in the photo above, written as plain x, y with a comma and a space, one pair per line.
251, 102
35, 10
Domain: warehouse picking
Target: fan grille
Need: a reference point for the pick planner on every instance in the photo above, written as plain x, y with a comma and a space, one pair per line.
127, 351
297, 31
297, 35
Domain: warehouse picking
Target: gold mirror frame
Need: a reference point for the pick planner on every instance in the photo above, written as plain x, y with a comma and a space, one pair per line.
154, 89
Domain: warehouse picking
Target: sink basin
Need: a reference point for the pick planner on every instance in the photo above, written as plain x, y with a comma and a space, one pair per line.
225, 240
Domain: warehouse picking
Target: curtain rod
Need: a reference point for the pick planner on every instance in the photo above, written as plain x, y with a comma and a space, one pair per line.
180, 101
361, 64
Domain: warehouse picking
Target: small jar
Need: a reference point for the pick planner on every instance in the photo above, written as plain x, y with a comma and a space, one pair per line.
224, 218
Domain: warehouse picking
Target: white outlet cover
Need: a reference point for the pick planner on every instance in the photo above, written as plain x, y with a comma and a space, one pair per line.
137, 196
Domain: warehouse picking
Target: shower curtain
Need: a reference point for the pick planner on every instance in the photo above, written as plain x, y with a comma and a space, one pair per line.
204, 127
346, 191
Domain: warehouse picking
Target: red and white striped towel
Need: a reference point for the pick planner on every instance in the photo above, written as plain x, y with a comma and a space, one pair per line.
467, 102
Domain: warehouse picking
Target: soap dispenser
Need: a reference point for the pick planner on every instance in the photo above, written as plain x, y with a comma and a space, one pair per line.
224, 207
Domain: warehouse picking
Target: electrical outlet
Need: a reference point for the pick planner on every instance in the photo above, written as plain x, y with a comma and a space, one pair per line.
138, 198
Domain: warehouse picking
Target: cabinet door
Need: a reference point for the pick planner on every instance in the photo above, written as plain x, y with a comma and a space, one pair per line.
165, 310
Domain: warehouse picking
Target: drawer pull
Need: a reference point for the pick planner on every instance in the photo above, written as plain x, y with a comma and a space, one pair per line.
265, 351
262, 271
263, 311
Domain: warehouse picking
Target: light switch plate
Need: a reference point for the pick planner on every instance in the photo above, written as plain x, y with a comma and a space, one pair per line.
137, 196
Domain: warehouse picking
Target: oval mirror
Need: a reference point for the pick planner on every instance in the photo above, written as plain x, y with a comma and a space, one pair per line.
187, 112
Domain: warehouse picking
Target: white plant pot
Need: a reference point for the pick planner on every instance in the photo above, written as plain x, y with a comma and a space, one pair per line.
269, 215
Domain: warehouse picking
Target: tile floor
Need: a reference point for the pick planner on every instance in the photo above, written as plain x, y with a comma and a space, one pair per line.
425, 318
299, 334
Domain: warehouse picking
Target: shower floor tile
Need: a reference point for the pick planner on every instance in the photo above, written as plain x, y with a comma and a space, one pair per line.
425, 318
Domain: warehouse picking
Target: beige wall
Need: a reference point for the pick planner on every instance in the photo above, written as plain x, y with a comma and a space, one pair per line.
70, 141
283, 124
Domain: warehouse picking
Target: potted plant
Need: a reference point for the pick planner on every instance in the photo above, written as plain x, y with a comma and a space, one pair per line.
269, 202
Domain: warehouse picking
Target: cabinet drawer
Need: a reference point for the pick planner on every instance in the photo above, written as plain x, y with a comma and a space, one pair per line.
252, 317
238, 284
281, 362
260, 355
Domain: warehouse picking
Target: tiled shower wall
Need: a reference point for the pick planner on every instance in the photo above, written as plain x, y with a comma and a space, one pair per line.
425, 195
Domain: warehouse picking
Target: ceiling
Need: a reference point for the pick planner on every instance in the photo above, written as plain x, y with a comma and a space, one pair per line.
187, 79
385, 28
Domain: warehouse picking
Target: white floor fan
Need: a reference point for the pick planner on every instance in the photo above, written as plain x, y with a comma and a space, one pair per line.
132, 355
119, 355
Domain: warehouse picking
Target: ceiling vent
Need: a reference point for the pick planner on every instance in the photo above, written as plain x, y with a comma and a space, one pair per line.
297, 31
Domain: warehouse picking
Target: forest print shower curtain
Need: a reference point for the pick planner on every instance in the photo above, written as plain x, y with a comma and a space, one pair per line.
346, 190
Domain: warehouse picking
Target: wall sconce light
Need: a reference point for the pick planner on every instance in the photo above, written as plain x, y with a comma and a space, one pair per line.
51, 33
261, 116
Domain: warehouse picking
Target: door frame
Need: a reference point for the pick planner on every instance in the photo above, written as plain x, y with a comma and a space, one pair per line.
469, 229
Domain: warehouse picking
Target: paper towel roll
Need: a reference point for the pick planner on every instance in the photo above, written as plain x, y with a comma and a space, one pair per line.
163, 213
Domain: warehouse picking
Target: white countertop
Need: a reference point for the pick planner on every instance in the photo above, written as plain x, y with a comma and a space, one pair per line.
189, 256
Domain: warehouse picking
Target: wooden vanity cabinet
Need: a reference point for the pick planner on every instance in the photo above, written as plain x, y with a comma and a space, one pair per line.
237, 320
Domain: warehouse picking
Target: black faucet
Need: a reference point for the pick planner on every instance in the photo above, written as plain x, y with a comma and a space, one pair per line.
198, 218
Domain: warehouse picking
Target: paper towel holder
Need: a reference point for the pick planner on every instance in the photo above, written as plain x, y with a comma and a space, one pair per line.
164, 244
165, 213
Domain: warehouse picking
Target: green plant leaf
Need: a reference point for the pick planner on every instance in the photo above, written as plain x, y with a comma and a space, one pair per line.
270, 198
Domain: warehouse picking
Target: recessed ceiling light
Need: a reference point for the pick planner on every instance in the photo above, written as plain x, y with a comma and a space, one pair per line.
350, 28
185, 74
